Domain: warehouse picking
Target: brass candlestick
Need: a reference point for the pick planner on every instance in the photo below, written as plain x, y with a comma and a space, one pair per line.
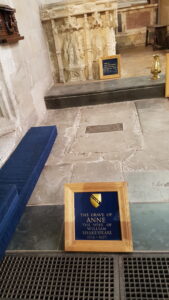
156, 67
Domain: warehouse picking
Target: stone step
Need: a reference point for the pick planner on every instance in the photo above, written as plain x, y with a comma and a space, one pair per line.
107, 91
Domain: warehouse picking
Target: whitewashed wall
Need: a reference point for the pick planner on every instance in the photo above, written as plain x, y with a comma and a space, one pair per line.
25, 76
26, 66
44, 2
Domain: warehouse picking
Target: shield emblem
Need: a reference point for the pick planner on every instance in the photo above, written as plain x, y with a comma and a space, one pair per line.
95, 200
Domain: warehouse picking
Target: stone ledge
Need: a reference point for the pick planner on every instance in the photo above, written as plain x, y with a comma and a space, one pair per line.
99, 92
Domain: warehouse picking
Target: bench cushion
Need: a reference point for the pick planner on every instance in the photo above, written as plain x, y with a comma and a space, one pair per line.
27, 156
20, 173
8, 197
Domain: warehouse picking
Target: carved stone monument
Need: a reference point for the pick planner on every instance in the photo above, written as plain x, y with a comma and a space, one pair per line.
79, 32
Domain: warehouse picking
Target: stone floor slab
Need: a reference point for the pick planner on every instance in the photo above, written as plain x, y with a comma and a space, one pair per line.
65, 116
50, 186
101, 171
153, 115
150, 223
40, 228
129, 138
62, 145
150, 186
147, 160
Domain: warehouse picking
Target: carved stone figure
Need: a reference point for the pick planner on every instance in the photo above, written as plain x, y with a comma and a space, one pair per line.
97, 22
70, 23
85, 32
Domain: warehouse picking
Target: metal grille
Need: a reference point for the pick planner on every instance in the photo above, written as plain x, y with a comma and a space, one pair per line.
104, 128
144, 277
60, 276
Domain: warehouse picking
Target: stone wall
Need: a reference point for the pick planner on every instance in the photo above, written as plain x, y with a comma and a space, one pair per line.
132, 24
25, 73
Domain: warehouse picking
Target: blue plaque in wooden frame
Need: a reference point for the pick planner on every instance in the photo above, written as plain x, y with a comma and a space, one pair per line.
100, 221
110, 67
97, 217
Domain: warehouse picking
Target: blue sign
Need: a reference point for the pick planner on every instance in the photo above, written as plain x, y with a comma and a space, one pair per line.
97, 216
110, 66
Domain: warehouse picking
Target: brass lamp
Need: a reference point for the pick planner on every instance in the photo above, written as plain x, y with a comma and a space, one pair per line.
156, 67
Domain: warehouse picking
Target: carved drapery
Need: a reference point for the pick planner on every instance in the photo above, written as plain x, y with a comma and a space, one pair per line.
79, 33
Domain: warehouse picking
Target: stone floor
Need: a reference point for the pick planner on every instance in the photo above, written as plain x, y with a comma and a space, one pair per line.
139, 155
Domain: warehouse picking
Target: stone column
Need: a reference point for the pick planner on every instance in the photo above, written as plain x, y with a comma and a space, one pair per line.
58, 51
88, 47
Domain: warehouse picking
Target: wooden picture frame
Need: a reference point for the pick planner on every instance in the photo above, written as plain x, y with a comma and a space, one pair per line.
110, 67
72, 192
167, 77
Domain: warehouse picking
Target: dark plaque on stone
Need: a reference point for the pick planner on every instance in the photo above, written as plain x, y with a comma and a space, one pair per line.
109, 67
97, 217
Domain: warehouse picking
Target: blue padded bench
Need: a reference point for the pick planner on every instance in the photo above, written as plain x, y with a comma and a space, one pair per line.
18, 177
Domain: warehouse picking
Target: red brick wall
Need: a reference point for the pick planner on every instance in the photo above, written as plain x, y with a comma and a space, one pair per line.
137, 19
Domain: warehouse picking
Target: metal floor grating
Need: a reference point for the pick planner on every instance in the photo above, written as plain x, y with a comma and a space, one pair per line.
144, 277
59, 276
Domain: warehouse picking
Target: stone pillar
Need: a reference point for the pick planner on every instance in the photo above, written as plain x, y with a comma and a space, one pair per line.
58, 51
82, 32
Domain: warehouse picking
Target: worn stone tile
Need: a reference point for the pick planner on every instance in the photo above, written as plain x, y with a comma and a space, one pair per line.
100, 142
151, 103
65, 116
150, 186
106, 142
129, 138
154, 115
147, 159
50, 186
150, 223
121, 155
109, 114
62, 145
101, 171
72, 157
157, 143
39, 229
